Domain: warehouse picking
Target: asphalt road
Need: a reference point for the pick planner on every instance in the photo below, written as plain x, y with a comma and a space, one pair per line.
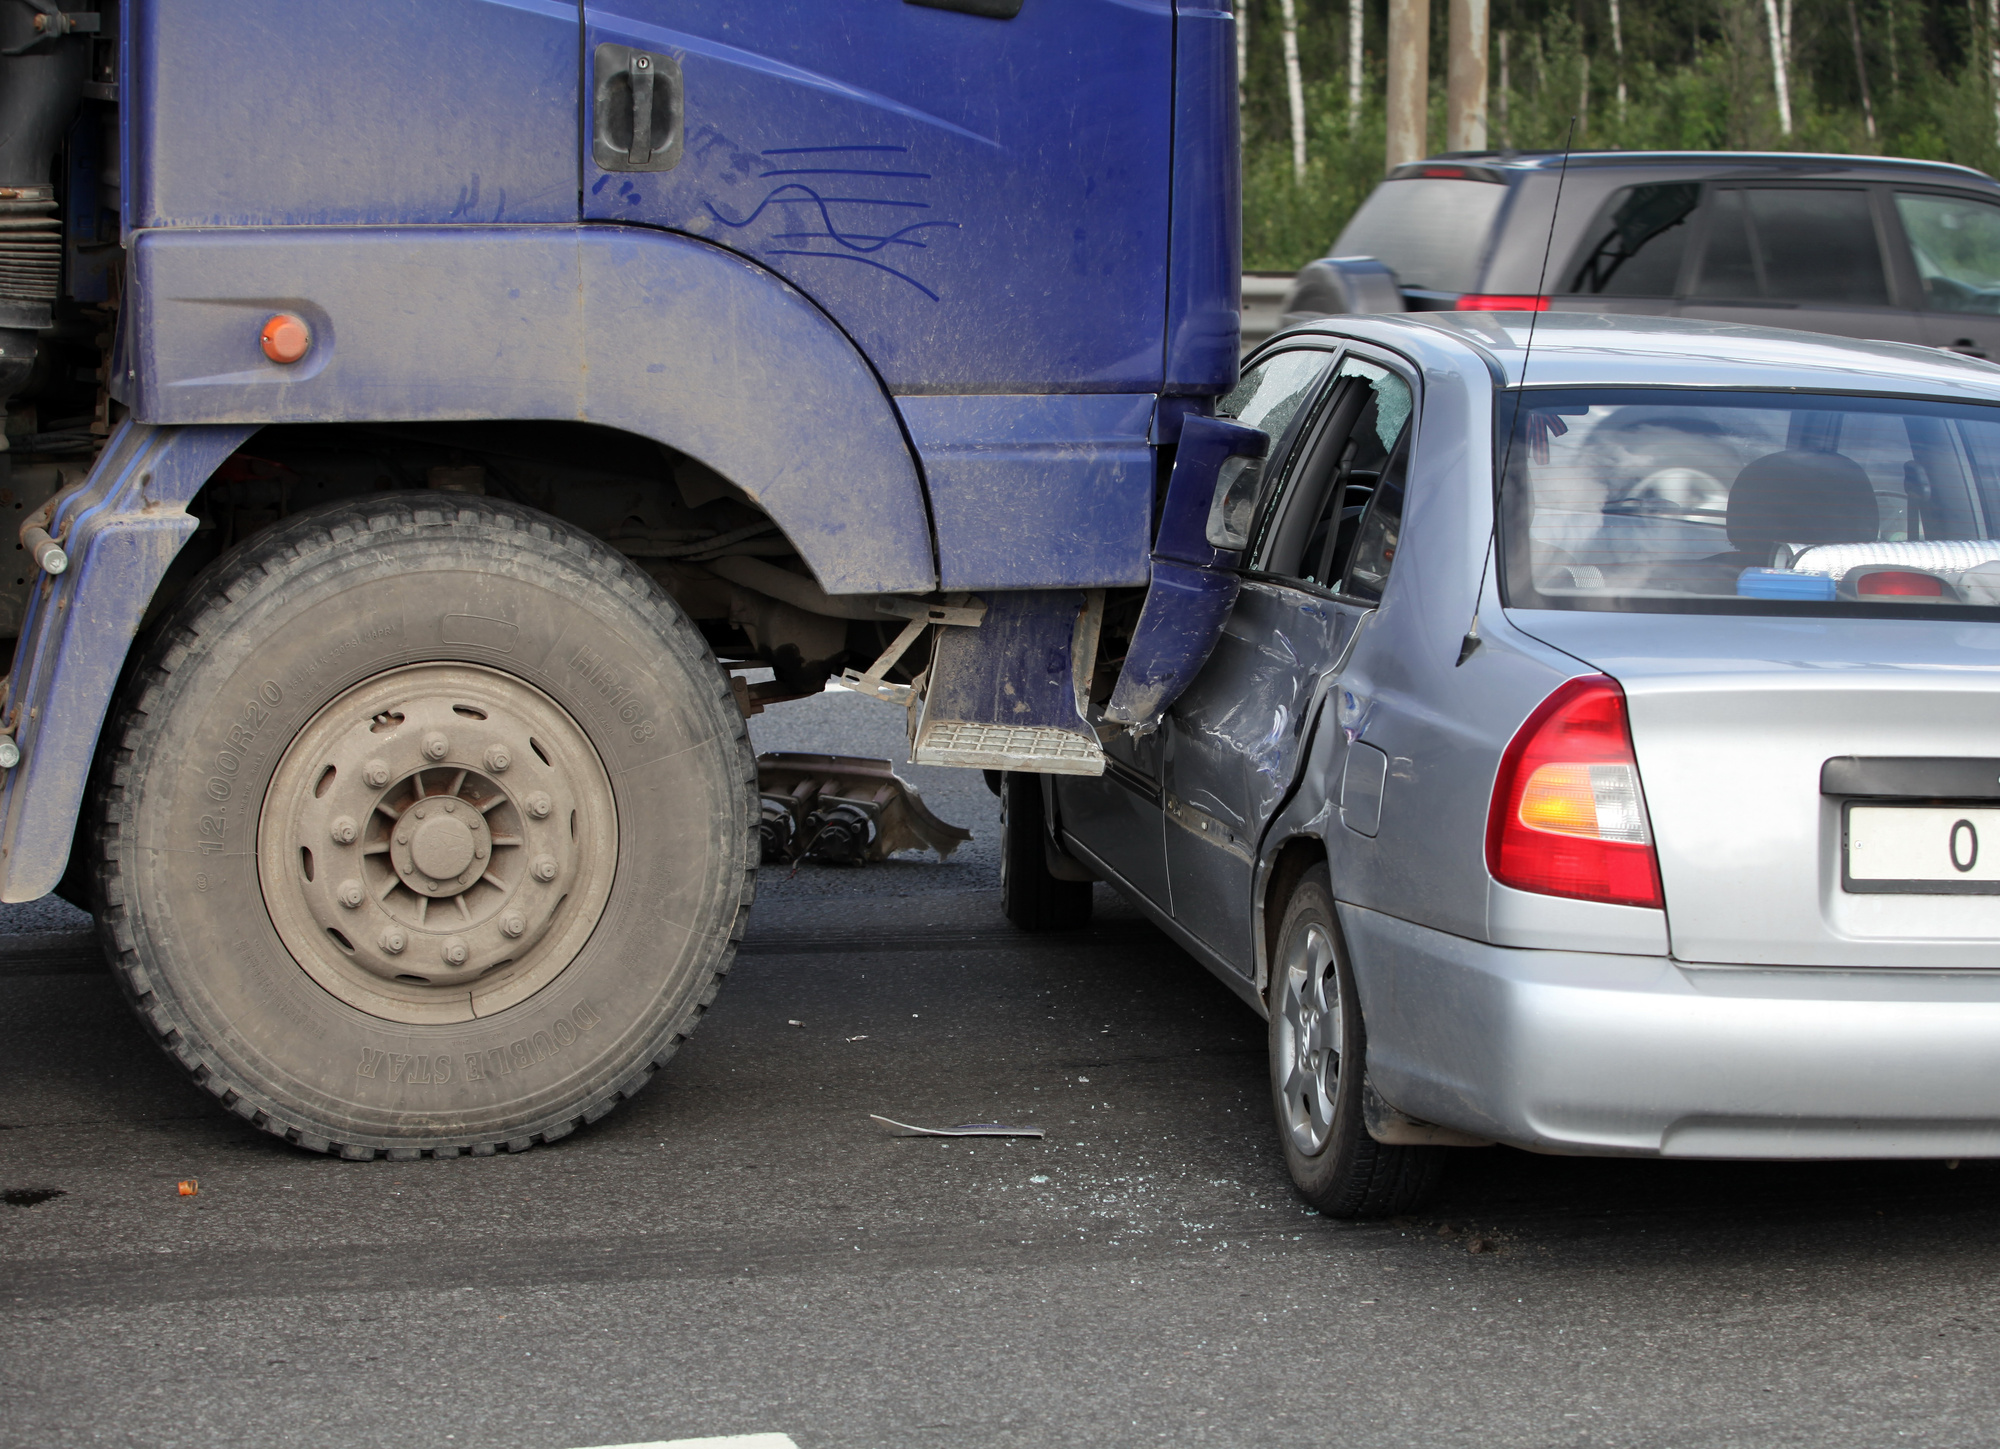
742, 1250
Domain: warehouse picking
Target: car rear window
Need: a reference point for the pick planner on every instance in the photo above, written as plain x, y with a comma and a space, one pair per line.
1430, 231
1665, 500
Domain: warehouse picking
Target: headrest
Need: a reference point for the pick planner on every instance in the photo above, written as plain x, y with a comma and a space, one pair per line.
1799, 497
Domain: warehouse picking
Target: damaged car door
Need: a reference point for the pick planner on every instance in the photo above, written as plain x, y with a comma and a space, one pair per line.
1326, 536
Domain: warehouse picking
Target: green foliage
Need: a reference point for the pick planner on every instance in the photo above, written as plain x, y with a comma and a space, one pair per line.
1697, 76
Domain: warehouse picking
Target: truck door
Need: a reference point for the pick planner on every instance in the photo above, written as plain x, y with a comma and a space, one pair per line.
976, 190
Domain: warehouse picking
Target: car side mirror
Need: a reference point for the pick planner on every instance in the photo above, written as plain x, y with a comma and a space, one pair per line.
1212, 496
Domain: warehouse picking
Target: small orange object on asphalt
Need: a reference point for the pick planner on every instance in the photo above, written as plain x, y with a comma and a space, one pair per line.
285, 337
189, 1187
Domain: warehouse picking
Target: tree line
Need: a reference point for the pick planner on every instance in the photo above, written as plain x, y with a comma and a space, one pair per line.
1879, 77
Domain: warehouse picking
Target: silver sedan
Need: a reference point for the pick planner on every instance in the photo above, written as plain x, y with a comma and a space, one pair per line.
1600, 752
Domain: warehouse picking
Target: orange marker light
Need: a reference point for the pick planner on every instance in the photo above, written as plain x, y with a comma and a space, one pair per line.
285, 338
189, 1187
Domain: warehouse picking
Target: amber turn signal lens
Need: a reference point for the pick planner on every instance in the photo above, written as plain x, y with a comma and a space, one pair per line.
285, 338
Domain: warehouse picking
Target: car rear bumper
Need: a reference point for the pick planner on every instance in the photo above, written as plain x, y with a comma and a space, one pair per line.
1565, 1051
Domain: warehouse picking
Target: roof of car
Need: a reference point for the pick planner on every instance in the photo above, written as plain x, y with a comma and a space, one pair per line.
1721, 161
1595, 349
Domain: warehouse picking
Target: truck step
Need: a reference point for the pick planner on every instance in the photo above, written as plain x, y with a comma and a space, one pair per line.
1041, 749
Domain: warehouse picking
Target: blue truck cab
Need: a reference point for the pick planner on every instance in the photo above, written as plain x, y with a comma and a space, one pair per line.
416, 408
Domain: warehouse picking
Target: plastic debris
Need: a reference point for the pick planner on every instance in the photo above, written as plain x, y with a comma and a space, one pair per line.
862, 1037
794, 1023
190, 1186
964, 1129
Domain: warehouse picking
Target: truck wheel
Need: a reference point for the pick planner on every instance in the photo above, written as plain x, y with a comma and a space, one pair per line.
428, 829
1318, 1046
1030, 896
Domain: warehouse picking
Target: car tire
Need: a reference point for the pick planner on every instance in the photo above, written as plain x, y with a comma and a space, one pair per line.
1318, 1048
427, 828
1030, 895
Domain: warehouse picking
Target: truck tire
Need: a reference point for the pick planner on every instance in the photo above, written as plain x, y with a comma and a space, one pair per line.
428, 828
1031, 896
1318, 1045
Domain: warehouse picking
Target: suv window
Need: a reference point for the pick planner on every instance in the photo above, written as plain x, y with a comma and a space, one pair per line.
1430, 231
1795, 243
1635, 247
1956, 242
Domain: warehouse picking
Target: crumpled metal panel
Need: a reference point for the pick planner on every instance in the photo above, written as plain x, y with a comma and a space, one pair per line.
121, 531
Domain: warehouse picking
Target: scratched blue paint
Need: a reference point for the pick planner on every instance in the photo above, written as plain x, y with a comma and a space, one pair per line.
663, 336
1204, 323
121, 531
249, 113
1037, 492
983, 205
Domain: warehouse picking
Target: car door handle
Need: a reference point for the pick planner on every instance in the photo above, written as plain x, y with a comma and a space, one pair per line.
1965, 346
636, 109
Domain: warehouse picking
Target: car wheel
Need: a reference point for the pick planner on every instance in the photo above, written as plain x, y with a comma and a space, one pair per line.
1030, 895
427, 829
1318, 1046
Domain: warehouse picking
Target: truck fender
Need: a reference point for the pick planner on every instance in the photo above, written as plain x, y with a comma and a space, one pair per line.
650, 332
120, 530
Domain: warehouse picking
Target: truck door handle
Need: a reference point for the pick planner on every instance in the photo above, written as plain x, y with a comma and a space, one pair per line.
636, 109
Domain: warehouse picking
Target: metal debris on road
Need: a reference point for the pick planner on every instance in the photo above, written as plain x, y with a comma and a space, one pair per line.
837, 810
862, 1037
964, 1129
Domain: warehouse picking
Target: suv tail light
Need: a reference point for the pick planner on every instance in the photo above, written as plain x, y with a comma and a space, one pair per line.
1568, 817
1500, 302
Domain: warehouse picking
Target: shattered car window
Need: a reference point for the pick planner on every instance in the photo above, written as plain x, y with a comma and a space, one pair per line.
1667, 500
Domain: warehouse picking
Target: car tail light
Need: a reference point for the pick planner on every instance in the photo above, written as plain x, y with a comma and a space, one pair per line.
1444, 173
1899, 584
1568, 817
1500, 302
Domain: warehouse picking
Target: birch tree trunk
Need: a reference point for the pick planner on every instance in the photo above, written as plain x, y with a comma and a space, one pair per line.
1861, 68
1500, 100
1780, 81
1242, 49
1993, 57
1353, 66
1295, 91
1618, 56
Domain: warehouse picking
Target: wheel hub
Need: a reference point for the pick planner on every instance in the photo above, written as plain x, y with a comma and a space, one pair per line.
437, 843
1309, 1033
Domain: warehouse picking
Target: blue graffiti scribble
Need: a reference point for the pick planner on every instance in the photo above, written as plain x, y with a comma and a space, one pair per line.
849, 243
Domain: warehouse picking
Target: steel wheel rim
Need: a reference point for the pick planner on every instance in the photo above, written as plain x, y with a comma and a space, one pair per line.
437, 844
1309, 1034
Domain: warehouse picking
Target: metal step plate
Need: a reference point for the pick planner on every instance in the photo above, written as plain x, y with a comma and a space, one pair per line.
1038, 749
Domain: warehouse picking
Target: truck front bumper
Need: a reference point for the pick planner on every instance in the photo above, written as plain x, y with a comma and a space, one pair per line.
1563, 1051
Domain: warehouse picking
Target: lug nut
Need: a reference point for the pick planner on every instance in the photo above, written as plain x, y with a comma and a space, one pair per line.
375, 773
344, 830
422, 811
539, 805
513, 923
479, 851
393, 941
450, 806
497, 759
455, 952
350, 893
436, 746
402, 837
545, 868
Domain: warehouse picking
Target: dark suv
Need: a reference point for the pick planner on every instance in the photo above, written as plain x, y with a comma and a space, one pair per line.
1858, 246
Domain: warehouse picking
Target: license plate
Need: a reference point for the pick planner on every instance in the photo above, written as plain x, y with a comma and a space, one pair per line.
1922, 850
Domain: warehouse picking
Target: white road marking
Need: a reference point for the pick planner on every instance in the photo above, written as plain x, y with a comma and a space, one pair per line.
724, 1441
